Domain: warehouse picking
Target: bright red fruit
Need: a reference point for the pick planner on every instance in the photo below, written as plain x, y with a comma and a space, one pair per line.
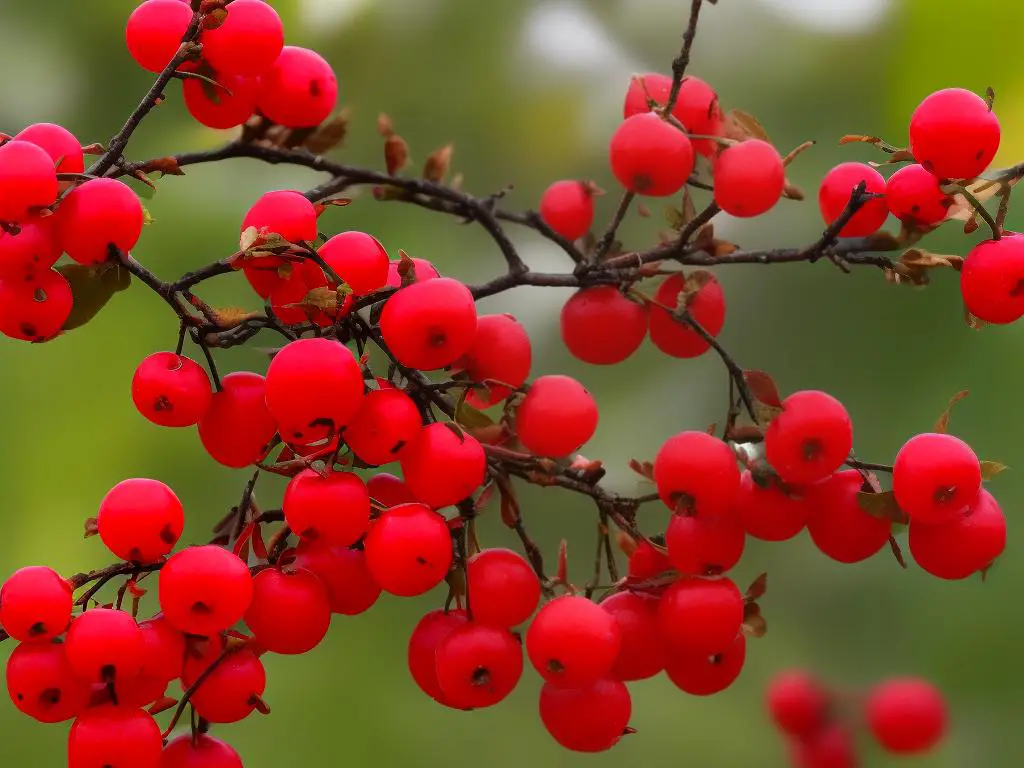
35, 308
568, 208
936, 478
35, 604
204, 590
650, 157
699, 545
33, 248
700, 674
284, 212
797, 703
422, 270
60, 144
503, 589
155, 30
837, 524
237, 427
290, 612
232, 690
963, 546
601, 326
359, 259
299, 90
992, 280
700, 615
351, 589
199, 751
706, 306
389, 491
221, 107
696, 108
697, 472
954, 134
443, 466
96, 216
140, 520
586, 719
837, 188
749, 178
770, 510
287, 296
906, 715
385, 423
572, 642
478, 665
810, 439
557, 416
423, 644
409, 550
429, 325
646, 562
28, 180
104, 645
500, 352
915, 197
114, 737
247, 42
42, 684
831, 747
642, 652
171, 390
164, 649
333, 509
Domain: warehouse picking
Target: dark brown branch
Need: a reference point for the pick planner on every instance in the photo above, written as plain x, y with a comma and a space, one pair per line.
682, 61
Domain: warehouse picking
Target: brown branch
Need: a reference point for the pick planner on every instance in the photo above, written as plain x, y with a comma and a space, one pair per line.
682, 61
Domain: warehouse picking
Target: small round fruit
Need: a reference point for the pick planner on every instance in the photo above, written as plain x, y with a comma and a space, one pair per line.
642, 652
387, 421
696, 472
232, 690
969, 543
573, 642
500, 352
954, 134
155, 30
422, 651
601, 326
906, 715
114, 737
591, 718
478, 665
284, 212
699, 545
650, 157
247, 42
706, 306
60, 144
568, 208
97, 216
836, 190
915, 197
769, 509
810, 439
35, 604
351, 588
140, 520
697, 106
223, 106
28, 180
237, 427
299, 90
42, 684
749, 178
700, 615
104, 645
204, 590
936, 478
171, 390
290, 612
503, 589
992, 280
409, 550
429, 325
332, 508
36, 308
557, 416
797, 703
199, 751
443, 465
702, 674
359, 259
839, 527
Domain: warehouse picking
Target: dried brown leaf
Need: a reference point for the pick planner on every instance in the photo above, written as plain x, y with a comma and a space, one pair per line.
437, 165
882, 505
942, 425
763, 388
396, 154
328, 135
740, 125
990, 469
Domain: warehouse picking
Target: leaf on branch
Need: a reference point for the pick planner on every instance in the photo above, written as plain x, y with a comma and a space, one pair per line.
763, 388
740, 125
326, 299
754, 624
643, 468
469, 417
757, 589
92, 527
384, 126
643, 211
329, 134
942, 425
990, 469
792, 192
437, 165
94, 149
692, 285
91, 288
982, 190
165, 166
877, 142
396, 154
230, 317
882, 505
897, 552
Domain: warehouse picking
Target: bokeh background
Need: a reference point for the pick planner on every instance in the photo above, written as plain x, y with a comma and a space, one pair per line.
529, 92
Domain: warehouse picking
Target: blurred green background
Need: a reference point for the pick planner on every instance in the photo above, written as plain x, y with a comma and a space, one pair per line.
529, 92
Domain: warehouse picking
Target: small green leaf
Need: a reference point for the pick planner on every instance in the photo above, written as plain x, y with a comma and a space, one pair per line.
882, 505
942, 425
91, 289
990, 469
147, 217
469, 417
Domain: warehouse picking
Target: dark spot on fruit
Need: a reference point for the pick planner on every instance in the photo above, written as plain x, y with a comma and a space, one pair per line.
436, 337
481, 677
398, 446
167, 535
944, 494
50, 697
981, 154
21, 697
201, 608
29, 330
915, 208
39, 628
162, 404
310, 534
1018, 289
555, 667
641, 182
315, 89
812, 449
420, 560
135, 554
716, 659
39, 295
683, 504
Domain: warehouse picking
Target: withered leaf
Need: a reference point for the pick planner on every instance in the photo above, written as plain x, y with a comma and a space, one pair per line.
758, 588
990, 469
754, 624
942, 425
396, 154
882, 505
643, 468
763, 388
328, 135
91, 288
740, 125
437, 165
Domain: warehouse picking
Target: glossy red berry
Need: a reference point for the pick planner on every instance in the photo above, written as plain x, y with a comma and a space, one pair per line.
503, 588
288, 296
443, 466
42, 684
351, 588
954, 134
35, 307
586, 719
697, 106
573, 642
35, 604
386, 422
299, 90
232, 690
59, 143
696, 472
642, 652
703, 674
557, 416
199, 751
204, 590
958, 548
706, 306
155, 30
164, 649
936, 478
478, 665
284, 212
421, 268
290, 612
114, 737
359, 259
991, 280
32, 249
749, 178
237, 427
28, 180
650, 157
568, 208
423, 645
770, 510
500, 352
333, 509
810, 439
834, 195
226, 105
601, 326
104, 644
797, 703
200, 654
906, 715
832, 747
838, 525
429, 325
247, 42
409, 550
171, 390
915, 197
699, 545
96, 216
646, 562
140, 520
700, 615
389, 491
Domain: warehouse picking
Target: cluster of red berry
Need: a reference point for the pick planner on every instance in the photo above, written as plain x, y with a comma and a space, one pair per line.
905, 716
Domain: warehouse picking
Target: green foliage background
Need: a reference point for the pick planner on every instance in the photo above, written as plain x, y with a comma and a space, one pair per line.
452, 70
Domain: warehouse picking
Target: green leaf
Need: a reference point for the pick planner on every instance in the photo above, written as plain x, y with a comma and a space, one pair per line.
469, 417
990, 469
91, 289
882, 505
